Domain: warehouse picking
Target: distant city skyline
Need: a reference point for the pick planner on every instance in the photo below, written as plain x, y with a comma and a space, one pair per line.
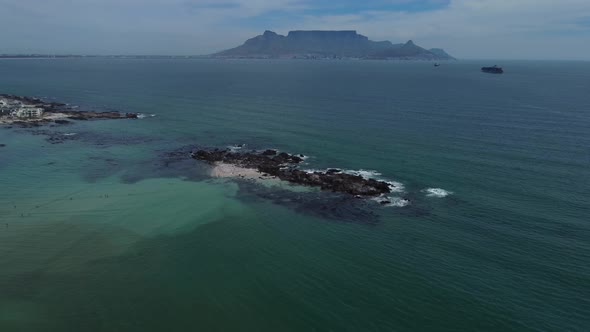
493, 29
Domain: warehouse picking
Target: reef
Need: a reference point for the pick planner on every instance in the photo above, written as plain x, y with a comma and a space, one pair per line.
284, 166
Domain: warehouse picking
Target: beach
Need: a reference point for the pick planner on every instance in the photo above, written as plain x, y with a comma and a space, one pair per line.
223, 170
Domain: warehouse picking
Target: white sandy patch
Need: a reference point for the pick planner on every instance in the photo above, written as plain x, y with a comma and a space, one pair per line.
222, 170
228, 171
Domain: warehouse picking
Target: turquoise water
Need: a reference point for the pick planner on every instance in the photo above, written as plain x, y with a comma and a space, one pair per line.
106, 232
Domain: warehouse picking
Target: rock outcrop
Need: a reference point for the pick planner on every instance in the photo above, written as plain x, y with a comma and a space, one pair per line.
59, 113
284, 166
89, 115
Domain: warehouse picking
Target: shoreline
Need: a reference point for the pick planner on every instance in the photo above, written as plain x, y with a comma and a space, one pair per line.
46, 118
48, 112
285, 167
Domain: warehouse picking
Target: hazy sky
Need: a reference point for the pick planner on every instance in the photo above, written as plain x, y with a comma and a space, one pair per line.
515, 29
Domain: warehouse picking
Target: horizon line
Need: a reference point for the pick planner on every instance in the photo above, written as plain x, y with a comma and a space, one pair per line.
210, 56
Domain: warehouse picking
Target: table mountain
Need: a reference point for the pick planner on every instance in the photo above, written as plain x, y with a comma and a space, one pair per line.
328, 44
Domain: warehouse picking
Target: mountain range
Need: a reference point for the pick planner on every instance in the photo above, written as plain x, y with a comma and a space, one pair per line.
329, 44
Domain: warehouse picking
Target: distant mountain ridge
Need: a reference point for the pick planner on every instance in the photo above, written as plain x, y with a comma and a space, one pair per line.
327, 44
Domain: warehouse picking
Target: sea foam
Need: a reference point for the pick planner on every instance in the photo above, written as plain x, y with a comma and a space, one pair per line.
365, 174
437, 192
394, 186
236, 148
391, 201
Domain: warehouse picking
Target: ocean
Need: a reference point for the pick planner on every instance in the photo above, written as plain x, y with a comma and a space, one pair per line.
116, 229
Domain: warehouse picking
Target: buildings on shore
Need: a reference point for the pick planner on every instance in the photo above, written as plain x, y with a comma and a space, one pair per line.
18, 109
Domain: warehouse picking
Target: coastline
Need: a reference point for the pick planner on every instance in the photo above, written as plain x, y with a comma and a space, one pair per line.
46, 118
38, 112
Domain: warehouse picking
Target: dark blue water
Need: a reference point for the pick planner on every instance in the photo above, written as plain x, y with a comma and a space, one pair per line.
502, 245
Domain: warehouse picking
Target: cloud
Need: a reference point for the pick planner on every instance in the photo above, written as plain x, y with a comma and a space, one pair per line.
480, 28
466, 28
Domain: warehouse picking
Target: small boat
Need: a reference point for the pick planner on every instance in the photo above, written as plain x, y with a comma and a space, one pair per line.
437, 64
492, 70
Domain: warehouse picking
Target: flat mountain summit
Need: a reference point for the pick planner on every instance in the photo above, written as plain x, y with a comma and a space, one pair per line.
329, 44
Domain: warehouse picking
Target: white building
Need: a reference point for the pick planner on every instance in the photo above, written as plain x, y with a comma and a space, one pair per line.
29, 112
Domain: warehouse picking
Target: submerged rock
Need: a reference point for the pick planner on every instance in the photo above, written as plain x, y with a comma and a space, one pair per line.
30, 124
335, 207
333, 171
90, 115
284, 167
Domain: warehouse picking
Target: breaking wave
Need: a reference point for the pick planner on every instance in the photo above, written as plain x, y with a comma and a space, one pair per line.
437, 192
236, 148
366, 174
391, 201
394, 186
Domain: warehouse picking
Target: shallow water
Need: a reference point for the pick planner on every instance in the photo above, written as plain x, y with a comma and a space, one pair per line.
106, 231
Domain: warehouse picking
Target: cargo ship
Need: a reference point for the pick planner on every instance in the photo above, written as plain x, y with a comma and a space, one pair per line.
492, 70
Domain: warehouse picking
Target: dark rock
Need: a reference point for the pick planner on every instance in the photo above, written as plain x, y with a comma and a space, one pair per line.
78, 117
2, 145
90, 115
167, 164
269, 153
335, 207
284, 167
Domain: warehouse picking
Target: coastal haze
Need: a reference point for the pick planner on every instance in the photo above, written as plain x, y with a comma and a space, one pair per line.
467, 29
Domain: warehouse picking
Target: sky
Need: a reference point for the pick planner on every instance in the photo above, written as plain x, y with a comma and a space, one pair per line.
482, 29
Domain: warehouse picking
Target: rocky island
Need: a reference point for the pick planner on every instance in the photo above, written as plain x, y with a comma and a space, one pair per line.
329, 45
284, 166
34, 112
